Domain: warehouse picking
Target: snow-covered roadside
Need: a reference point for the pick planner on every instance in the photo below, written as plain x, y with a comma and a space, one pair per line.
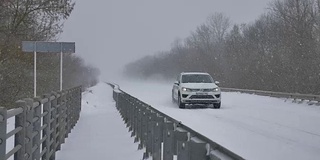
100, 132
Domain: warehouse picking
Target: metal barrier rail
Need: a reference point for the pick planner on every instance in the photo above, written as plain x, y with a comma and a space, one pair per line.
41, 125
164, 137
313, 99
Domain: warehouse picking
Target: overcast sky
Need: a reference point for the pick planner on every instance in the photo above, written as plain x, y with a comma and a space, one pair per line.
112, 33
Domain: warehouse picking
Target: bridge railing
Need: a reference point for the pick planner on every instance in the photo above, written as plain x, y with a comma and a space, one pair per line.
41, 125
164, 137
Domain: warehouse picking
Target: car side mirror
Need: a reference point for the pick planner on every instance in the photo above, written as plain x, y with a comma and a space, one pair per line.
176, 82
217, 82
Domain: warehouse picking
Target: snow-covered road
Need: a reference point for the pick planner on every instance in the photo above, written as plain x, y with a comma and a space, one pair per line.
255, 127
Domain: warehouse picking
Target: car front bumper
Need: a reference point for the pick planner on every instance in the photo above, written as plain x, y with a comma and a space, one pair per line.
200, 98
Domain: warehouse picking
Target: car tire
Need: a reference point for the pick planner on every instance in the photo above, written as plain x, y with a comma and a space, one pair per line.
217, 105
180, 104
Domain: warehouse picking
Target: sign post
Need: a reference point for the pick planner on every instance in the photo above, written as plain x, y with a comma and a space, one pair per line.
47, 47
35, 70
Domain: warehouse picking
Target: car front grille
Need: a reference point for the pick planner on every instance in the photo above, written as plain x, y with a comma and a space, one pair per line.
201, 90
201, 97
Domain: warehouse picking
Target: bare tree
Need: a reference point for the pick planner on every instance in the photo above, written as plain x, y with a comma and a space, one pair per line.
34, 20
218, 24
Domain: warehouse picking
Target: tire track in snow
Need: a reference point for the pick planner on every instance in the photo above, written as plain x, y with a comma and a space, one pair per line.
268, 132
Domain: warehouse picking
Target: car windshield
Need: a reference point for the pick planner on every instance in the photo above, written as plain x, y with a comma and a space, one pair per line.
196, 78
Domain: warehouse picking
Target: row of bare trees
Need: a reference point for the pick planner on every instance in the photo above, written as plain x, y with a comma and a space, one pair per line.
35, 20
280, 51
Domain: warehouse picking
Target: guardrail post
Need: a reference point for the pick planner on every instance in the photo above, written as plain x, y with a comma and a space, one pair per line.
71, 111
168, 141
29, 128
137, 124
47, 131
37, 129
143, 134
180, 136
58, 120
183, 150
130, 114
20, 121
157, 137
64, 118
54, 125
79, 101
78, 104
68, 106
198, 149
135, 120
3, 133
149, 138
74, 107
126, 110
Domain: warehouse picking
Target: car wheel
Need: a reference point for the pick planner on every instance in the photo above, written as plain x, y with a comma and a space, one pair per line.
217, 105
180, 104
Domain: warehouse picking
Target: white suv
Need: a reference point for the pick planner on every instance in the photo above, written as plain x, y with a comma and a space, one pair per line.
196, 88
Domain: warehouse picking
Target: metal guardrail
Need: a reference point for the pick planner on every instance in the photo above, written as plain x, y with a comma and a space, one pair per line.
41, 125
162, 135
313, 99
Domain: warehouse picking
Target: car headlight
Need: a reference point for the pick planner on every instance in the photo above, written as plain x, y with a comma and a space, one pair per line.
185, 89
216, 89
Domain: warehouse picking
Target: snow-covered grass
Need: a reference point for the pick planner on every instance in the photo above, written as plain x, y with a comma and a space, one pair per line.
255, 127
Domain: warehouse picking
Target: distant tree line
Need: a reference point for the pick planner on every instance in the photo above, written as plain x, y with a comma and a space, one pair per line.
31, 20
280, 51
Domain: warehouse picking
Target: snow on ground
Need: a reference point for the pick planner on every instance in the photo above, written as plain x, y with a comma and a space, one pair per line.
100, 133
255, 127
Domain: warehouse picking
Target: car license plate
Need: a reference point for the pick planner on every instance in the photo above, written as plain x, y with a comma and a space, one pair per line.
201, 93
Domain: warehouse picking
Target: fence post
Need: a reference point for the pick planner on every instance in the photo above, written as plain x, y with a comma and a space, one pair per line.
20, 121
3, 133
37, 129
47, 131
143, 130
29, 128
197, 149
58, 120
180, 139
138, 124
72, 107
68, 118
183, 150
168, 141
79, 101
157, 137
150, 129
54, 125
64, 117
134, 119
